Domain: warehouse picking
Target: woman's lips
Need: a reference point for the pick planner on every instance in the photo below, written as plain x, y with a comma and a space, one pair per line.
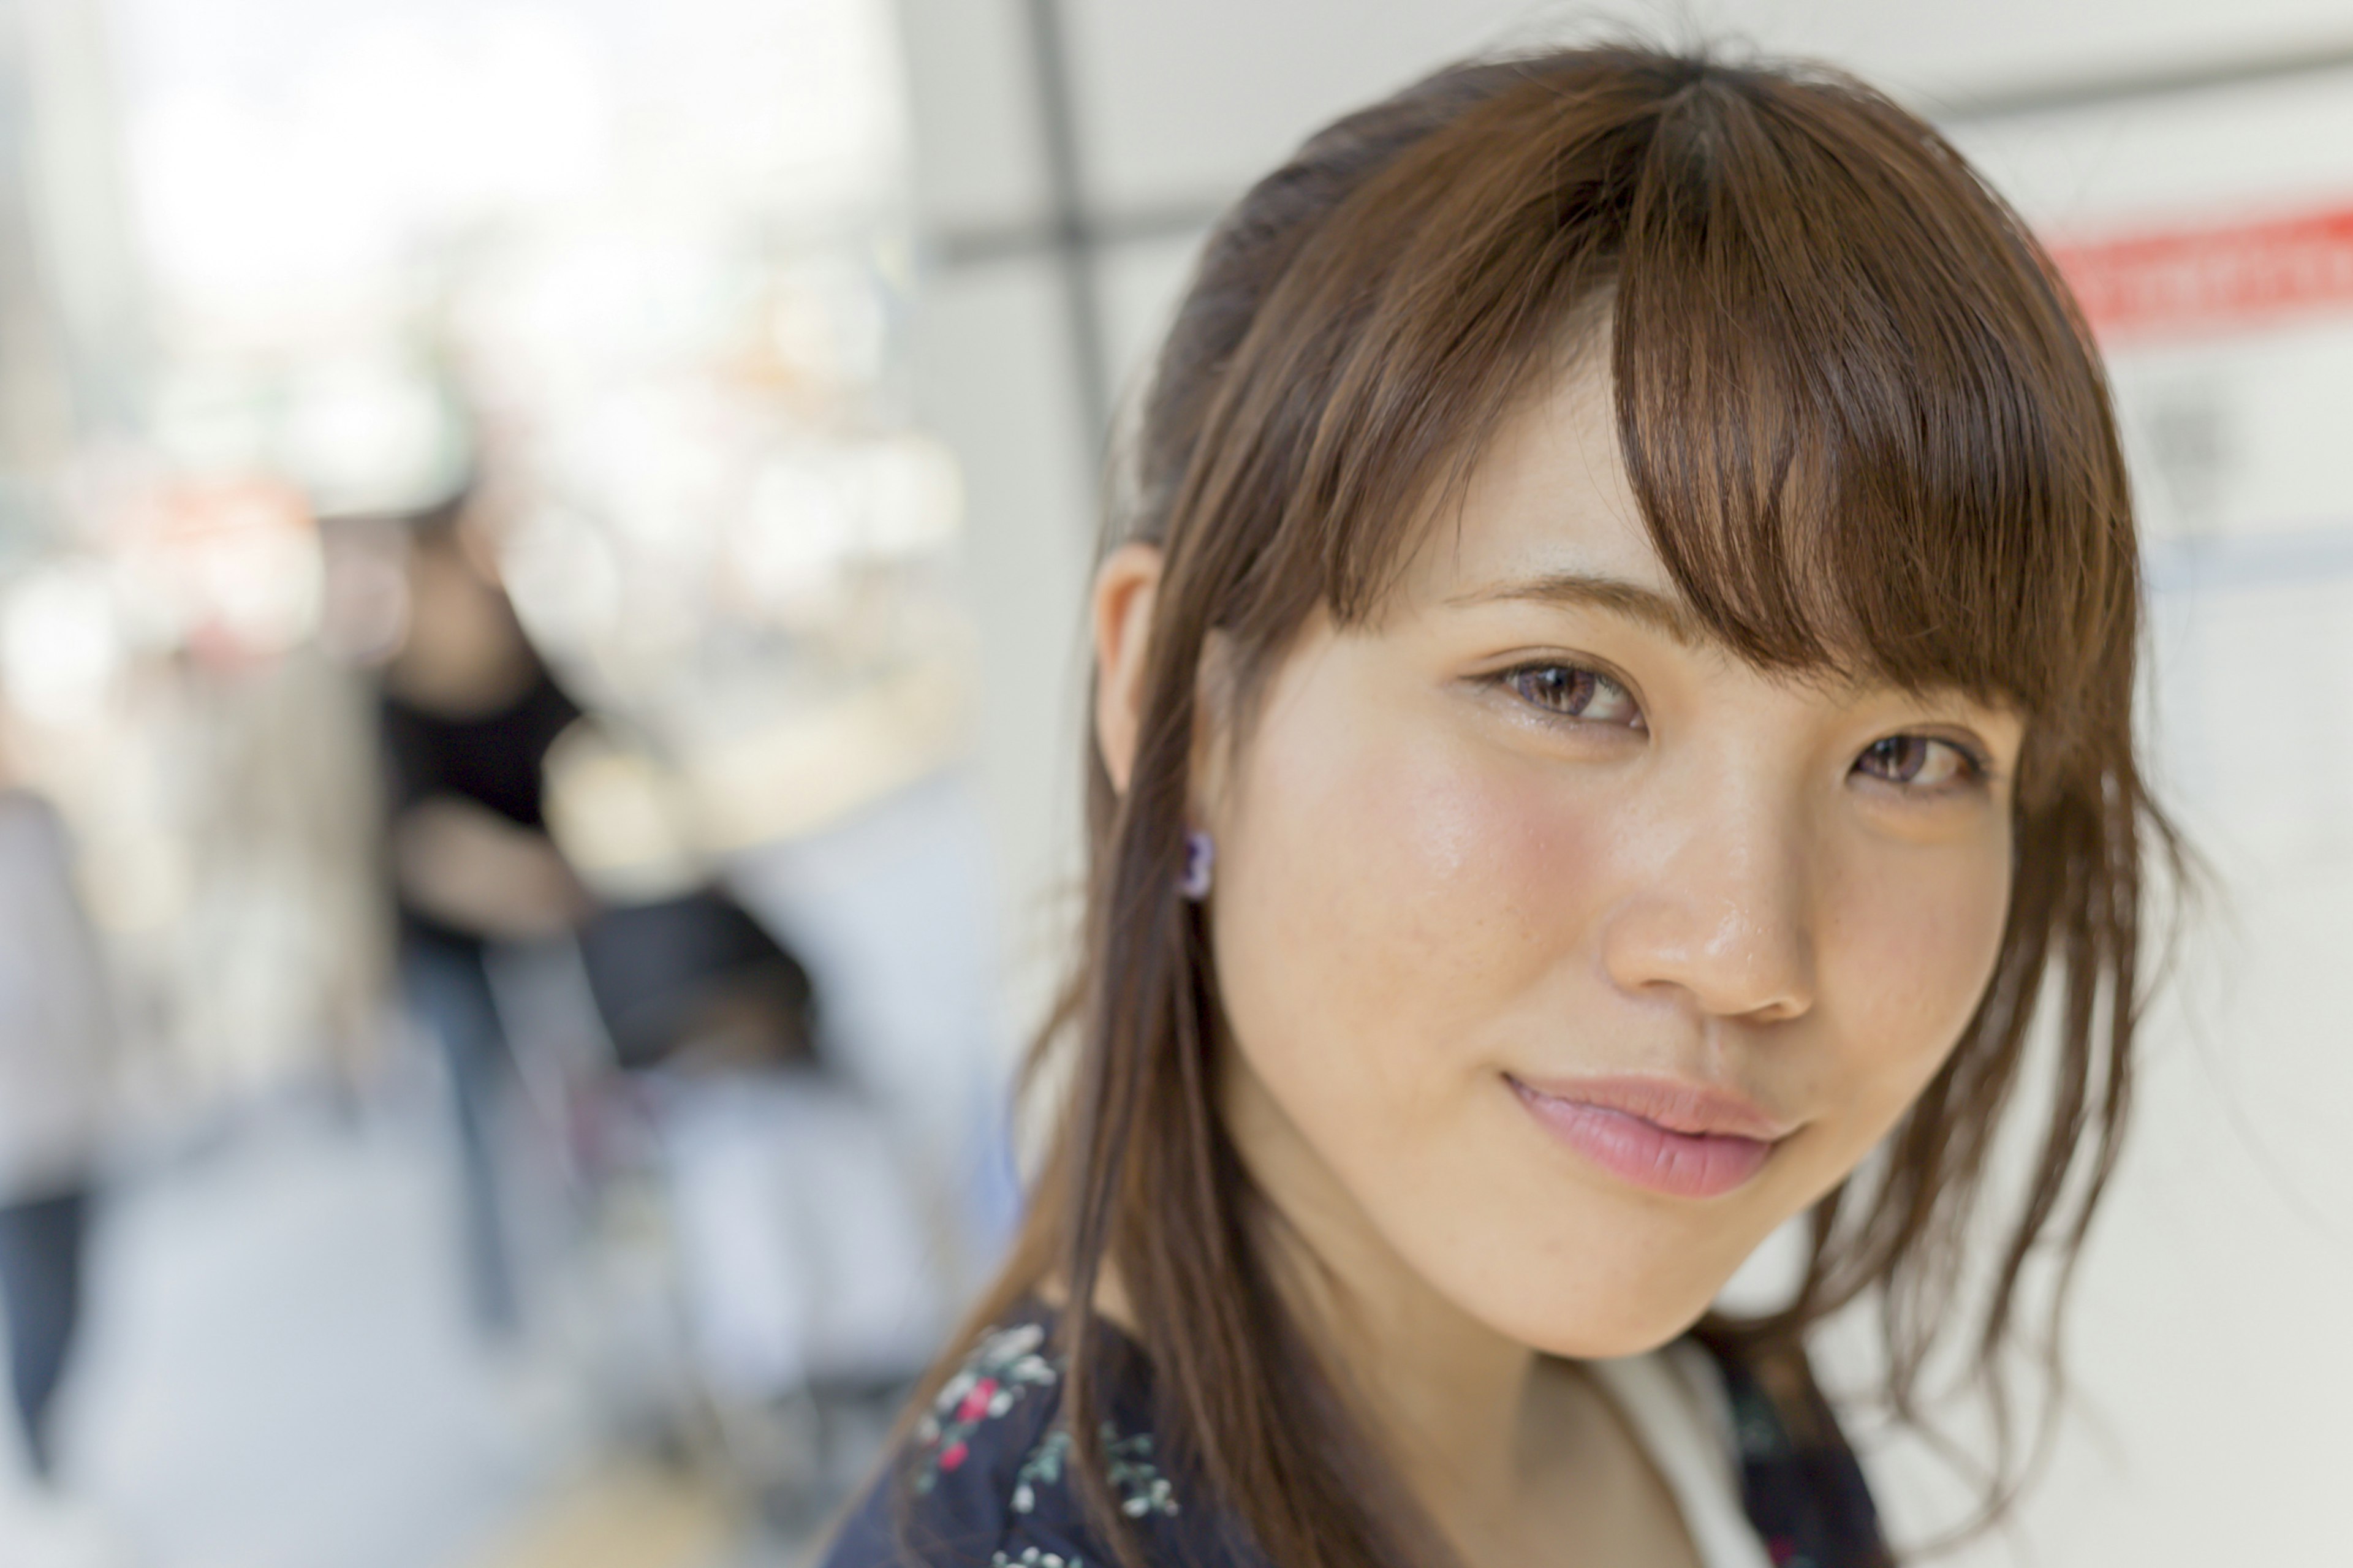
1672, 1138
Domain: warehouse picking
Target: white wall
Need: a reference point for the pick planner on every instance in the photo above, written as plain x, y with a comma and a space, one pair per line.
2209, 1332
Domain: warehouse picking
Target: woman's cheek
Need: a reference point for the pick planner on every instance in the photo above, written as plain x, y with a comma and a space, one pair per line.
1912, 951
1396, 885
1401, 869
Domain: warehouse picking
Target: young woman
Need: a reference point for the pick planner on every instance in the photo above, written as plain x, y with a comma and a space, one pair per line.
1613, 712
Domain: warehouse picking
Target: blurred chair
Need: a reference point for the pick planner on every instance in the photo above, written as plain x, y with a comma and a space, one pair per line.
805, 1262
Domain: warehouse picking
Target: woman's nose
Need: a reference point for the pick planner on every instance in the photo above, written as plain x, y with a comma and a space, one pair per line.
1721, 913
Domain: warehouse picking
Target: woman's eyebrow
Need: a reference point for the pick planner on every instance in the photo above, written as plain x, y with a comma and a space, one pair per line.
1587, 589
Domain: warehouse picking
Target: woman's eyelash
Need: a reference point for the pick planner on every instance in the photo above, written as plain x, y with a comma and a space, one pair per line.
1559, 690
1974, 767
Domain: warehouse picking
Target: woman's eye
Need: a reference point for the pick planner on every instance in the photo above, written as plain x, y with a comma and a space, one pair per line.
1918, 761
1575, 693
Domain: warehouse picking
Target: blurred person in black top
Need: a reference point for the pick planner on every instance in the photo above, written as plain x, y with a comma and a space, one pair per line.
469, 713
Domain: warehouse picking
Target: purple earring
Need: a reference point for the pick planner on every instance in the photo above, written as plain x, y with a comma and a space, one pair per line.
1199, 853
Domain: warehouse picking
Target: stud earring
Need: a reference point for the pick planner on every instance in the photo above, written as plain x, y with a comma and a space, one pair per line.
1199, 855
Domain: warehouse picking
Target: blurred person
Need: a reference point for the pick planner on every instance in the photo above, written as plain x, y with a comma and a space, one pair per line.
468, 712
56, 1047
1613, 700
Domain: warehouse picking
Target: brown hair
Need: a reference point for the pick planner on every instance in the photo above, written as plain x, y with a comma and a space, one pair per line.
1868, 432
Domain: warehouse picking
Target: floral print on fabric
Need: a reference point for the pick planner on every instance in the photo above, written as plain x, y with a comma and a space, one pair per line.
989, 1468
1000, 1373
996, 1378
1128, 1462
1042, 1467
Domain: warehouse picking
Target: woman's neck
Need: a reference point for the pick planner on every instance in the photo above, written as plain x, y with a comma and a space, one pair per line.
1460, 1410
1514, 1457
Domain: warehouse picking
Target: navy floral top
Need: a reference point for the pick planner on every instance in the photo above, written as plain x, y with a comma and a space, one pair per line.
981, 1484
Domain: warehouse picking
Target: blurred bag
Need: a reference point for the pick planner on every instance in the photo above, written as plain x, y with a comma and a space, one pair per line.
696, 977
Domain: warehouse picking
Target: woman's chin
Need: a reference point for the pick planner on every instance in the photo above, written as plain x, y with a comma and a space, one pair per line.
1596, 1313
1624, 1333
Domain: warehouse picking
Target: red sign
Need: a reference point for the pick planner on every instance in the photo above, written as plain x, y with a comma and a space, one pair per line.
2234, 275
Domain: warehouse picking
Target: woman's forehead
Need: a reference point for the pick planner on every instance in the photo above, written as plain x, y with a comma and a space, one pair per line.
1547, 498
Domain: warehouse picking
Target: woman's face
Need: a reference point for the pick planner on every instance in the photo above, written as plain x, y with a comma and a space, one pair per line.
1565, 955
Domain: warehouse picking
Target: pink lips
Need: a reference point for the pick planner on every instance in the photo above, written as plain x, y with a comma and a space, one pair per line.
1674, 1138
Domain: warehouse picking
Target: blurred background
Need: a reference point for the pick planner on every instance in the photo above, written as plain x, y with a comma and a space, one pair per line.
540, 549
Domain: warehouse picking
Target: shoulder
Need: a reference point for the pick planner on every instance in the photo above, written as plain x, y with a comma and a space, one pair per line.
982, 1480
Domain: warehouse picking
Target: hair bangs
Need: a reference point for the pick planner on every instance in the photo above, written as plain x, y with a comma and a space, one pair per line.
1866, 429
1856, 413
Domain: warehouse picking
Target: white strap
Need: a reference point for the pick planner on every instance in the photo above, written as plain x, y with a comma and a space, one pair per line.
1674, 1400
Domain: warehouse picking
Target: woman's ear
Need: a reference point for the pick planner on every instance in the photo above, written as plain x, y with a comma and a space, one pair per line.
1125, 586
